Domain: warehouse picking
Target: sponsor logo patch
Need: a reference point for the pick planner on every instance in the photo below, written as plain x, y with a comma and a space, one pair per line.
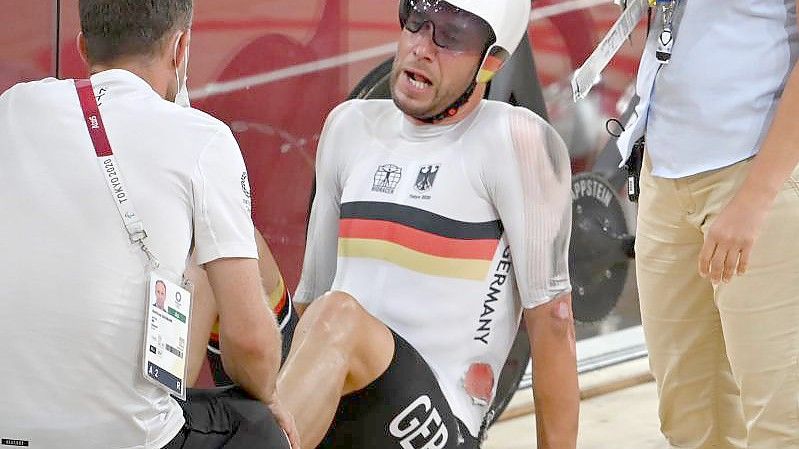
592, 188
387, 178
245, 188
100, 94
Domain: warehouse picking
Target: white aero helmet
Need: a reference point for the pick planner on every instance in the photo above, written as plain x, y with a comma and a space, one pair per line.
508, 20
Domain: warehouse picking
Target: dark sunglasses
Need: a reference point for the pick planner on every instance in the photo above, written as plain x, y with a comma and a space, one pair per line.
453, 28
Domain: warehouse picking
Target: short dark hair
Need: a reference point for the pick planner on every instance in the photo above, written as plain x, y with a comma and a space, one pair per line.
120, 28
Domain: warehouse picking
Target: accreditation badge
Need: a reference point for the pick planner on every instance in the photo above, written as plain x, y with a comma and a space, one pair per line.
166, 336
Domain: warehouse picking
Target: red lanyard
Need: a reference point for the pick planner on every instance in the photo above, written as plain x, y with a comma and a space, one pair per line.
94, 122
108, 165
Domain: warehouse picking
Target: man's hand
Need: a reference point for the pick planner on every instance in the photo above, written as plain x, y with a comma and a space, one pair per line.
729, 241
286, 421
550, 328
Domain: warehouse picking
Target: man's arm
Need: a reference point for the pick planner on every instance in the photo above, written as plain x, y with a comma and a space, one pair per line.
550, 328
321, 246
248, 334
224, 243
270, 272
529, 181
736, 228
205, 313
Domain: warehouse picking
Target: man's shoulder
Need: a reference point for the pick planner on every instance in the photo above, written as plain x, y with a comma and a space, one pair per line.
498, 110
191, 116
360, 112
44, 83
44, 89
521, 131
201, 126
521, 124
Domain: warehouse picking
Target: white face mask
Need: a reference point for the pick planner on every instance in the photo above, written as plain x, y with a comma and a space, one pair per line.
182, 96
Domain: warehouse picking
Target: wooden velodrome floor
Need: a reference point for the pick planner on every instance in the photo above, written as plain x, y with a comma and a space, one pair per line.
621, 419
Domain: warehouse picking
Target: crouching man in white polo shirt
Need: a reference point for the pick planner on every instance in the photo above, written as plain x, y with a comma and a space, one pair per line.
105, 187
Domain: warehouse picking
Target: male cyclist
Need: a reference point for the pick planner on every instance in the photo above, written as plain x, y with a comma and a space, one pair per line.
439, 220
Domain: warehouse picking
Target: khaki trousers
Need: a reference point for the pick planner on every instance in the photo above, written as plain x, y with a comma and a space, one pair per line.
726, 361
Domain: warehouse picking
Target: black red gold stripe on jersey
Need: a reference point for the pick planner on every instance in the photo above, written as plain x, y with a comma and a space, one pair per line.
279, 300
418, 240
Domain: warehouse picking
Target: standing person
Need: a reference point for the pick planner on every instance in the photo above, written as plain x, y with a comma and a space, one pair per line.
716, 250
439, 220
76, 260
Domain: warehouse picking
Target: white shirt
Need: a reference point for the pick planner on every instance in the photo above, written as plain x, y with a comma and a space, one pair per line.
713, 104
442, 232
72, 286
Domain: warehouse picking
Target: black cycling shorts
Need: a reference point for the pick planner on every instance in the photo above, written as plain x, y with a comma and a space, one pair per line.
227, 417
404, 408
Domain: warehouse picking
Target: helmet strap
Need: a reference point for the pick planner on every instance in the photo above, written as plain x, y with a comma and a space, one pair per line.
452, 109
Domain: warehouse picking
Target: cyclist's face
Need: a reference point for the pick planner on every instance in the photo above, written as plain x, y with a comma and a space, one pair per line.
439, 50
